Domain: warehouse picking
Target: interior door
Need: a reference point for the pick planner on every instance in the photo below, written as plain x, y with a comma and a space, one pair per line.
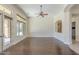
6, 31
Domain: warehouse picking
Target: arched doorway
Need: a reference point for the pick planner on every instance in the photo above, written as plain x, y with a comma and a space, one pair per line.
70, 18
73, 19
75, 23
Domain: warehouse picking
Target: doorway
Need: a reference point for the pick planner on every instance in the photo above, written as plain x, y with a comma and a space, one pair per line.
73, 32
6, 31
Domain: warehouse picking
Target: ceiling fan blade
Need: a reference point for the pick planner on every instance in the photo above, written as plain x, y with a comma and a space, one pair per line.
45, 14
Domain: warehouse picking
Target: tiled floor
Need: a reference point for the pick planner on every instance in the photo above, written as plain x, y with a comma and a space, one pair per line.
39, 46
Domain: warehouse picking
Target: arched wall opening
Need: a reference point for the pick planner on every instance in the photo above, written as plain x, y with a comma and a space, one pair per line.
74, 23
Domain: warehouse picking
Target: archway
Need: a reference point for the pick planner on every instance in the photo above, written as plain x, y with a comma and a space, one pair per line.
73, 19
68, 21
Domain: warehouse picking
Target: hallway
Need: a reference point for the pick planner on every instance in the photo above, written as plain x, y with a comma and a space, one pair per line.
39, 46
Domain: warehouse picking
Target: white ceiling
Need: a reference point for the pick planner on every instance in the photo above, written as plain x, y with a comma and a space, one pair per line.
33, 9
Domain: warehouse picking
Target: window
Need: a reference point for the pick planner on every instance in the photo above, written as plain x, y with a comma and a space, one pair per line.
20, 28
6, 31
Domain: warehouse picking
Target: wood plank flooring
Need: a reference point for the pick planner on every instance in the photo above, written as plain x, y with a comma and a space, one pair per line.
39, 46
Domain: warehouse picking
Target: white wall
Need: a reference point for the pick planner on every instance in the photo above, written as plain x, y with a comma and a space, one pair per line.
59, 36
41, 27
65, 36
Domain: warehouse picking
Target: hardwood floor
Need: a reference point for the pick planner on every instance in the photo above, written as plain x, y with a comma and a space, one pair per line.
39, 46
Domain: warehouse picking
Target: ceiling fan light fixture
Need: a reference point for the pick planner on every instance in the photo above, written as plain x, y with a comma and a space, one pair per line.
42, 13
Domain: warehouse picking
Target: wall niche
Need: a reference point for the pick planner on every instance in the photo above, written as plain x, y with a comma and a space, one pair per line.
58, 26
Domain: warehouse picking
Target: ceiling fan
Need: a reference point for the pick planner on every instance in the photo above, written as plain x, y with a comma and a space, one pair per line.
42, 13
